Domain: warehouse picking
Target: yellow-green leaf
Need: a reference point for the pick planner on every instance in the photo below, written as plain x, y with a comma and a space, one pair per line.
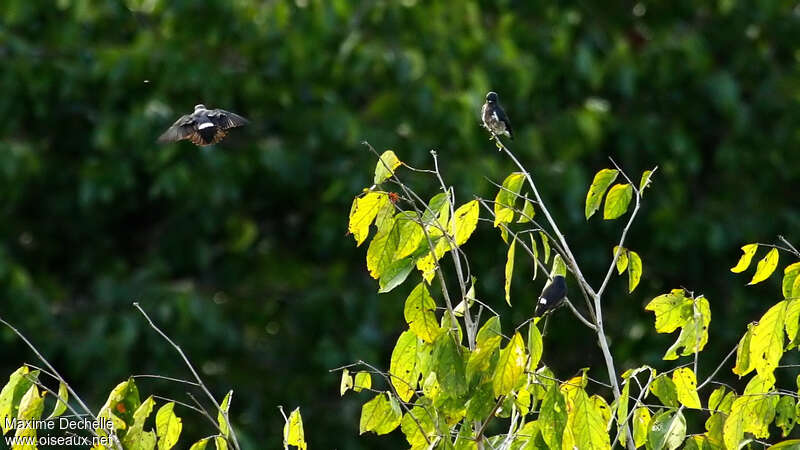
622, 259
168, 427
634, 270
363, 212
449, 364
506, 198
222, 414
553, 417
61, 405
201, 444
791, 444
383, 248
18, 384
672, 310
744, 261
785, 414
487, 343
362, 380
510, 366
416, 425
602, 180
765, 267
527, 212
293, 433
790, 275
686, 386
510, 269
535, 252
641, 423
385, 166
694, 331
545, 246
766, 345
586, 424
559, 268
535, 346
666, 391
403, 366
752, 412
645, 181
617, 201
464, 221
381, 415
622, 412
419, 314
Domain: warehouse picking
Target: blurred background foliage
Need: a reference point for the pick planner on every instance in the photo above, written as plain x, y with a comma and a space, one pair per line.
239, 251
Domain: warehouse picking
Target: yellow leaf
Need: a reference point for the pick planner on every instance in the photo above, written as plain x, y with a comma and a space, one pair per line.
765, 267
510, 366
766, 345
293, 433
744, 261
506, 198
509, 270
622, 259
602, 180
634, 270
686, 385
465, 219
617, 201
363, 212
385, 166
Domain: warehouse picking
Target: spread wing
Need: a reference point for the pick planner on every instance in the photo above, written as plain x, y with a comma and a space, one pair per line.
226, 119
183, 128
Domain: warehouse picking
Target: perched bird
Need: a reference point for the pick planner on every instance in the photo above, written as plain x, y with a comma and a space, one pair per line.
552, 296
494, 118
203, 126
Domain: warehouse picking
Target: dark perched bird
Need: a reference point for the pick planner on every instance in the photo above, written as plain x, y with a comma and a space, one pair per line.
552, 296
494, 118
203, 126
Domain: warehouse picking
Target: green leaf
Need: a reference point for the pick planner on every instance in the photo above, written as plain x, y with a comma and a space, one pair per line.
602, 180
510, 366
535, 346
395, 274
385, 166
785, 414
527, 212
220, 443
586, 424
622, 259
510, 269
766, 344
634, 270
31, 406
363, 212
481, 404
362, 380
168, 427
641, 424
419, 314
622, 412
347, 382
617, 201
686, 386
222, 414
715, 398
487, 344
694, 332
553, 417
743, 365
559, 268
744, 261
505, 199
61, 405
545, 246
18, 384
416, 425
765, 267
535, 252
403, 366
752, 412
645, 181
792, 444
293, 433
792, 322
667, 430
121, 404
201, 444
381, 415
790, 275
448, 363
464, 221
666, 391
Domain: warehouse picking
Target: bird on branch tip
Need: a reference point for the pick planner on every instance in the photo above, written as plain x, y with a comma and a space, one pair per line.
203, 126
494, 117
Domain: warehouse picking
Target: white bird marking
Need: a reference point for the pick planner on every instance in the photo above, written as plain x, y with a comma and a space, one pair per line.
205, 125
542, 301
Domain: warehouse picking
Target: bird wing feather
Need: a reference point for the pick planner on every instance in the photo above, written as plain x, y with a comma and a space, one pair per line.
226, 119
183, 128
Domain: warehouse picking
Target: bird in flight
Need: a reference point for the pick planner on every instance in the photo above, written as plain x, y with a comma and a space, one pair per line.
552, 296
494, 118
203, 126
